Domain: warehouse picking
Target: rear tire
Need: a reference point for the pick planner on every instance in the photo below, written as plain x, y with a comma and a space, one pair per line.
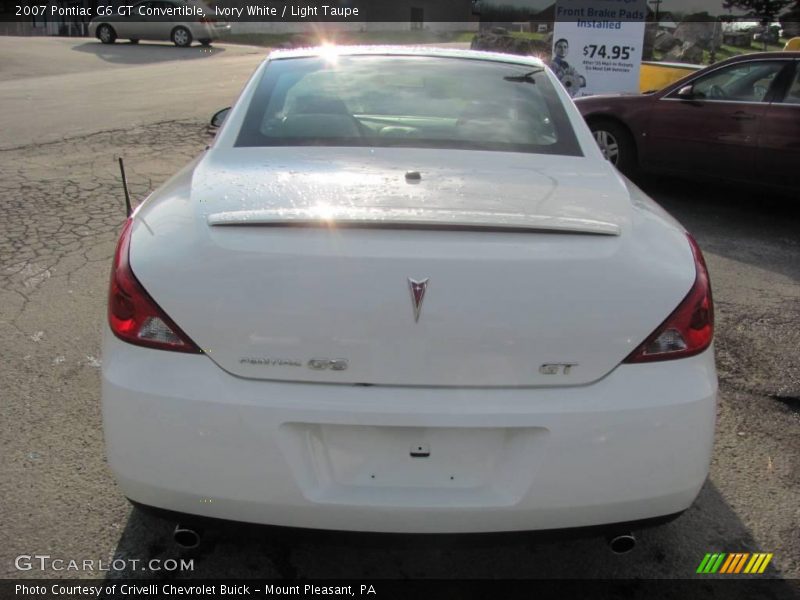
106, 34
181, 37
616, 143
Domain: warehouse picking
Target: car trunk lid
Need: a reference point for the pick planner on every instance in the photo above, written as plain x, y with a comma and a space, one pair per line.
305, 270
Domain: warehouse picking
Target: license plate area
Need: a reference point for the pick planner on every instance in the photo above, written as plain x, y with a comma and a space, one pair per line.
413, 466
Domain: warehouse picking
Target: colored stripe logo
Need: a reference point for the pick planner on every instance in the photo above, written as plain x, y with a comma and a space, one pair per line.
734, 563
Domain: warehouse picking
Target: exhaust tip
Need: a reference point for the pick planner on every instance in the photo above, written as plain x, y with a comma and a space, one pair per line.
186, 537
622, 544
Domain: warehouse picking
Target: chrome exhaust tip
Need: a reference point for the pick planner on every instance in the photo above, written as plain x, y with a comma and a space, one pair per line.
622, 543
186, 537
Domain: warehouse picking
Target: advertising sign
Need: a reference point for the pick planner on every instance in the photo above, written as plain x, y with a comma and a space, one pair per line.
597, 46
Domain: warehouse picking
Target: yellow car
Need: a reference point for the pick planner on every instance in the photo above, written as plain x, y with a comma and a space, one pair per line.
657, 75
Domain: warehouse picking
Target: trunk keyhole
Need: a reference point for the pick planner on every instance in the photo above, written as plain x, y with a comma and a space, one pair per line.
420, 450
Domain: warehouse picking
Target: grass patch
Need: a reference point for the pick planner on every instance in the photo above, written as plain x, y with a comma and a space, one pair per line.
529, 35
464, 36
267, 40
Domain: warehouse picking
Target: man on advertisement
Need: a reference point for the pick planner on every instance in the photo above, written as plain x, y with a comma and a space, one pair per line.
567, 75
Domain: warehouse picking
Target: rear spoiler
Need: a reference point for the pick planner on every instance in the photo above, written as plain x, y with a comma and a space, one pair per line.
394, 218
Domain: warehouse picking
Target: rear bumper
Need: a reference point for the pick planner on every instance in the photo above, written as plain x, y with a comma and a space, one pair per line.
185, 436
294, 535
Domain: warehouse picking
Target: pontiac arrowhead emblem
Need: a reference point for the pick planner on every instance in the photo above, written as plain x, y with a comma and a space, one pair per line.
417, 294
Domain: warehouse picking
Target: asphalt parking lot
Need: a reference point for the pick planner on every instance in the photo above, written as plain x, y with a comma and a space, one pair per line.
61, 206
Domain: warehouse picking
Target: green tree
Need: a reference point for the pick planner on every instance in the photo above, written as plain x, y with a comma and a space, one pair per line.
766, 10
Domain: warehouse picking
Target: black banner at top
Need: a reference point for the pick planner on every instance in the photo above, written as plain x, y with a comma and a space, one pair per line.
411, 12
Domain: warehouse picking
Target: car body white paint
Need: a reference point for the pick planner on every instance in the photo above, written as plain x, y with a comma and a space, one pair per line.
185, 435
532, 259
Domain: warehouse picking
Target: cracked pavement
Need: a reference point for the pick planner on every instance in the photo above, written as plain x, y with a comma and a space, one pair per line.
61, 207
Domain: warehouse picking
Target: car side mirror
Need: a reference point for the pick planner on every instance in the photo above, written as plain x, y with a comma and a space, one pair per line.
686, 92
219, 117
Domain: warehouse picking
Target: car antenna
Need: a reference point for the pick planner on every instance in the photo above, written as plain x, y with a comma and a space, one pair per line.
128, 208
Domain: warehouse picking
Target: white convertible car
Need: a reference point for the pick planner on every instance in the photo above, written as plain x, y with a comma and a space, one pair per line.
403, 291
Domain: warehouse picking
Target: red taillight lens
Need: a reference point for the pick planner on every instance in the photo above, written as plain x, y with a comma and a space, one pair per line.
690, 328
133, 315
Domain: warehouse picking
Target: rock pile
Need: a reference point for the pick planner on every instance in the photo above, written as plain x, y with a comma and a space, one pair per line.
687, 52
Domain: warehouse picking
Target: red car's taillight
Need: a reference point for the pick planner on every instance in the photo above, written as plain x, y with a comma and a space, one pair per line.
133, 315
690, 328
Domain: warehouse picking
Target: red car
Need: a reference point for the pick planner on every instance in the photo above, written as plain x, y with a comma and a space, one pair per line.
738, 120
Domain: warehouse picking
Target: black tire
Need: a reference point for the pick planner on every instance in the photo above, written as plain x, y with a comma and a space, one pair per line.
617, 144
205, 42
106, 34
134, 41
181, 37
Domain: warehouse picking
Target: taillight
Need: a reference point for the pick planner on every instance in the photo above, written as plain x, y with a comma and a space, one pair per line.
690, 328
133, 315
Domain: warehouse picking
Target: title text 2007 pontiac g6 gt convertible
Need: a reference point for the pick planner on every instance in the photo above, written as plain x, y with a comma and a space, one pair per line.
403, 291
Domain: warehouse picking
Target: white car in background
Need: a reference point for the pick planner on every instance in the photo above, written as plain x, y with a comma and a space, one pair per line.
151, 20
404, 291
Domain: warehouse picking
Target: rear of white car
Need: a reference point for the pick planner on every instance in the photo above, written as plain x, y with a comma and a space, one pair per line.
397, 336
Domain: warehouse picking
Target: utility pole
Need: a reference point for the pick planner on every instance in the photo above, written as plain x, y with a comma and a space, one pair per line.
657, 4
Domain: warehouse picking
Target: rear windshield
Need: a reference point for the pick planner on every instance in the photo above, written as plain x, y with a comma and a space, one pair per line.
409, 101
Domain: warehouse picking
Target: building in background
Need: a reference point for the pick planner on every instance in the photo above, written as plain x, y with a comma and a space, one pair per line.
48, 25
